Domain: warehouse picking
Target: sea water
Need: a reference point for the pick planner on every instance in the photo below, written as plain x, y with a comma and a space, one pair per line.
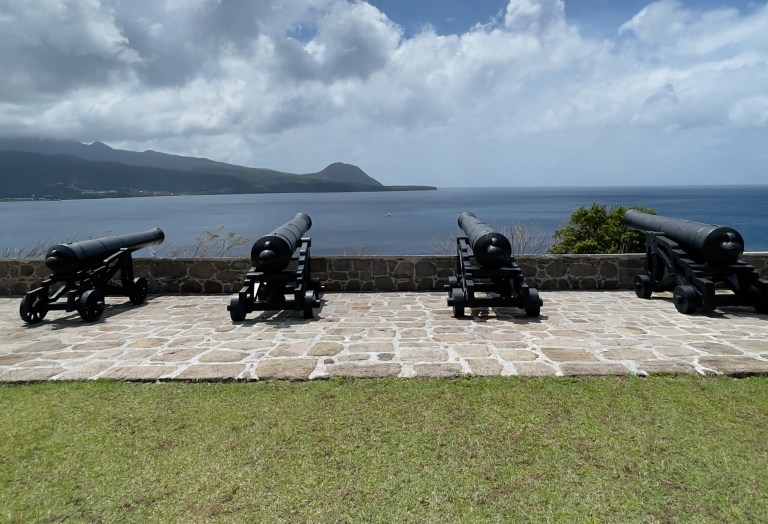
380, 223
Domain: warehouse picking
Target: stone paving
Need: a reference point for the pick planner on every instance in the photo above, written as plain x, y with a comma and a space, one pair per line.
404, 334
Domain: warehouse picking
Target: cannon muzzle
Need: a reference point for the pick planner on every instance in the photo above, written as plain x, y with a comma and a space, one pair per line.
490, 248
272, 253
717, 245
71, 257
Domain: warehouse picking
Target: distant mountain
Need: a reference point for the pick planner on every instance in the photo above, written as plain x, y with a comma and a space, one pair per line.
45, 168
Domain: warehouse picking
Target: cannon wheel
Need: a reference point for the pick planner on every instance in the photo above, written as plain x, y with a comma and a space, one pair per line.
139, 291
761, 305
33, 308
686, 299
317, 287
643, 286
236, 309
533, 305
309, 303
90, 305
459, 302
262, 291
654, 266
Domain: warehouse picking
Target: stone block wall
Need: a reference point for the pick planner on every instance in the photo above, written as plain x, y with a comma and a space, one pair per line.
366, 273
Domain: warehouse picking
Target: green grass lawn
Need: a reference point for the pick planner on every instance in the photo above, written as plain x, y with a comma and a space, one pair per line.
660, 449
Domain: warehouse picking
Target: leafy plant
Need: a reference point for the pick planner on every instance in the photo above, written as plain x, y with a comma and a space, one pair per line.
599, 230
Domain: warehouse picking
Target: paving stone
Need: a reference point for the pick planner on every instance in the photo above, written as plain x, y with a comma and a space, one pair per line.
423, 355
223, 356
90, 346
534, 369
733, 365
8, 360
471, 350
752, 345
567, 354
595, 368
325, 349
212, 372
364, 370
665, 366
148, 342
42, 346
69, 355
715, 348
286, 368
517, 355
628, 354
371, 347
134, 355
676, 351
453, 337
186, 342
177, 355
295, 349
140, 373
354, 357
484, 366
30, 374
437, 370
86, 371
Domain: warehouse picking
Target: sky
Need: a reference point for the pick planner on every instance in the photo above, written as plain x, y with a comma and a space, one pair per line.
452, 93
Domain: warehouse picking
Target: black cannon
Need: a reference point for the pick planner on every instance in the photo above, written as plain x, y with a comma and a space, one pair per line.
83, 272
496, 273
269, 280
698, 262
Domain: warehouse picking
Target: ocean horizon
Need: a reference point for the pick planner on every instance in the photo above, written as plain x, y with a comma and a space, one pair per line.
375, 223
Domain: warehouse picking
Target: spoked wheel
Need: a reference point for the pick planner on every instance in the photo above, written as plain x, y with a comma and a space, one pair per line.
686, 300
33, 308
310, 301
139, 291
533, 305
90, 305
458, 301
643, 286
236, 309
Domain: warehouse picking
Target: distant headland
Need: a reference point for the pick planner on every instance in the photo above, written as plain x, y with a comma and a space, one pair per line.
47, 169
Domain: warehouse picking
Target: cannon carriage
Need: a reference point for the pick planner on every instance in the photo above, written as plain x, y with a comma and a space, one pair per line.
82, 274
484, 263
270, 284
698, 262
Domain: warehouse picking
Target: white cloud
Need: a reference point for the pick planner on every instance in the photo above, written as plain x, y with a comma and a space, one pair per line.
296, 85
535, 16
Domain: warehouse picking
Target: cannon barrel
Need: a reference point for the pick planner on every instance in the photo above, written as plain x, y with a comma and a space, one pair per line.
717, 245
272, 253
491, 248
71, 257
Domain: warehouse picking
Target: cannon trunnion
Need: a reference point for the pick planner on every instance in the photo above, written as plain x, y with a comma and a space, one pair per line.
271, 279
496, 273
82, 272
698, 262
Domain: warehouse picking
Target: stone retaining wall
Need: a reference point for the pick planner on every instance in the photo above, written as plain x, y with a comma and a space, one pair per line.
367, 273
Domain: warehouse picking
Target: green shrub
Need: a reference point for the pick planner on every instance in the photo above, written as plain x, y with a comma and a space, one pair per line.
599, 230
